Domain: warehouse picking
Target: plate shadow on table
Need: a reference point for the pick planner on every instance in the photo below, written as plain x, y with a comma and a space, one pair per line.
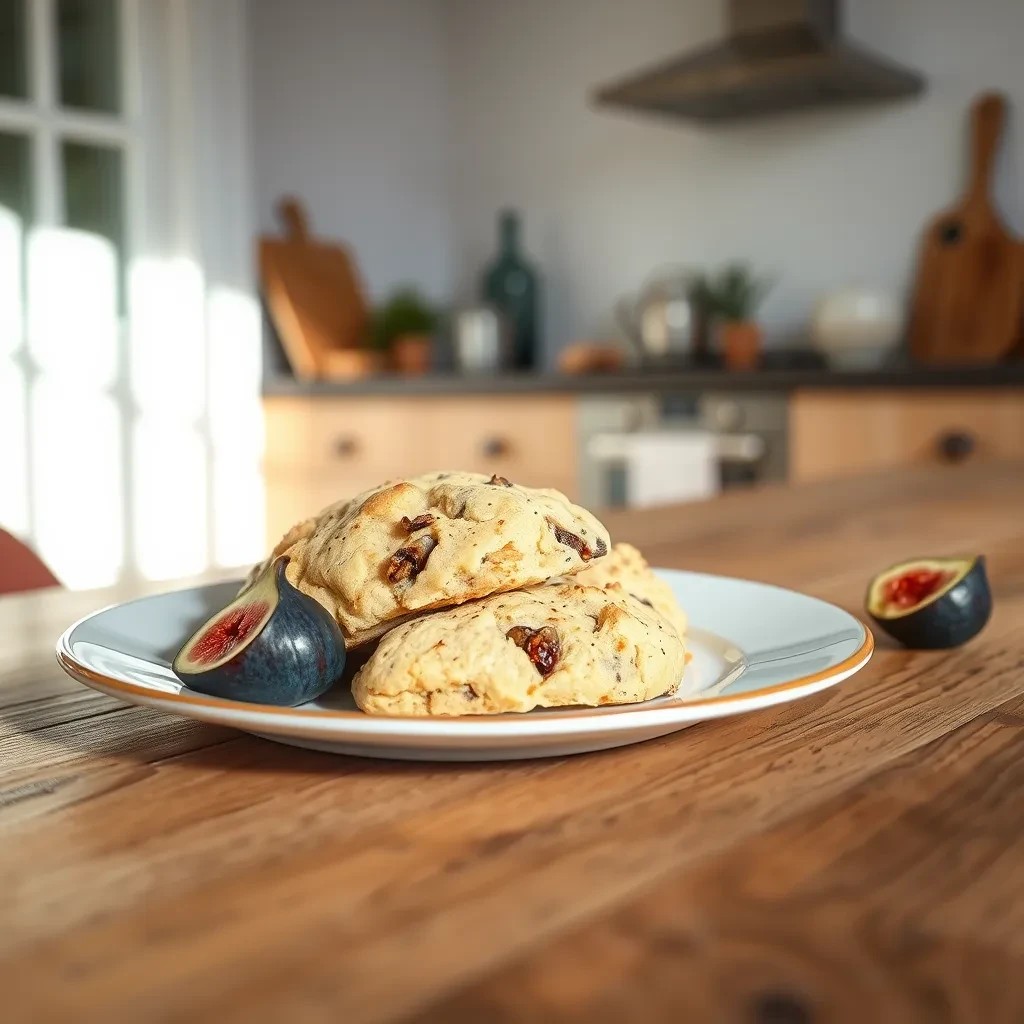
149, 737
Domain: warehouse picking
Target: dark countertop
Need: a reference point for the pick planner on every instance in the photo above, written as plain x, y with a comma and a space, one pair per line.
659, 381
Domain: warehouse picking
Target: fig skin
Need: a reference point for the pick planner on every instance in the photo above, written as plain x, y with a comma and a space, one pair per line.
297, 654
950, 620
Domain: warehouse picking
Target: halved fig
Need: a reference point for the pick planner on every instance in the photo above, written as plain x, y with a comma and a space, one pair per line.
271, 645
932, 602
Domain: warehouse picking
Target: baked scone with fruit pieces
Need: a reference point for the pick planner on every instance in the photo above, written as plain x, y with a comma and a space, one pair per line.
626, 566
553, 645
432, 541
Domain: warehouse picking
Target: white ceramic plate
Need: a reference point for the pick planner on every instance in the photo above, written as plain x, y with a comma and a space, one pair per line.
753, 646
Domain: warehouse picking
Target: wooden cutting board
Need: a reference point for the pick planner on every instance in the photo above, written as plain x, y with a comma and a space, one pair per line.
315, 298
968, 299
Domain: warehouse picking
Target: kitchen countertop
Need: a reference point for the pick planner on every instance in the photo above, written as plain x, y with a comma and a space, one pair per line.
658, 381
857, 855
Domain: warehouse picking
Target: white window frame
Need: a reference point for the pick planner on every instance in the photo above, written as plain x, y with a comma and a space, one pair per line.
46, 125
182, 132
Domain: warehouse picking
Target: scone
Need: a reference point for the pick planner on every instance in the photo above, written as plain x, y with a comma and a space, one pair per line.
626, 566
548, 646
434, 541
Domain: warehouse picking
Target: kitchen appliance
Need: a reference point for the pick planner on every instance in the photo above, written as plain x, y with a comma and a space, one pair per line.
968, 300
857, 327
481, 340
661, 467
622, 436
779, 55
662, 319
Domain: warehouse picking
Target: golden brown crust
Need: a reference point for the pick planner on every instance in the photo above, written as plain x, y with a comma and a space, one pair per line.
553, 645
627, 567
358, 560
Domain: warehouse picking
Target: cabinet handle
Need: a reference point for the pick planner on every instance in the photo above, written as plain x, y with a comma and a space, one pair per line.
956, 445
495, 446
345, 447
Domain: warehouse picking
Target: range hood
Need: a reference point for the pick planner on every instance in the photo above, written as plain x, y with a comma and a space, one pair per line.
780, 55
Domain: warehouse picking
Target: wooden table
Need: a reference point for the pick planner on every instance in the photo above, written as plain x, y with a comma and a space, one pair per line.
857, 856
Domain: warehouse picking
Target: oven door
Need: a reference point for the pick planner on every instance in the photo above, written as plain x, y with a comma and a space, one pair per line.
635, 453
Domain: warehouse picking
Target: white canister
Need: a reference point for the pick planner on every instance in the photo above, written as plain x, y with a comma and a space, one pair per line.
857, 326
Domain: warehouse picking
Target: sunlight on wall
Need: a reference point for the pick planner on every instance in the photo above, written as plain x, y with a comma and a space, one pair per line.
234, 369
13, 450
13, 436
168, 499
73, 323
168, 476
78, 494
187, 426
10, 281
167, 337
236, 427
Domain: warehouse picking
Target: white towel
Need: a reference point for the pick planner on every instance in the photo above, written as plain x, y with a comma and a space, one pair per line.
670, 466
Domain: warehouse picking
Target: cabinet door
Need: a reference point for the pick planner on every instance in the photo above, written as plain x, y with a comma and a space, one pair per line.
323, 449
528, 440
837, 433
347, 441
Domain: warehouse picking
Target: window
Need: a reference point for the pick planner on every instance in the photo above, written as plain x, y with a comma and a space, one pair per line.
114, 326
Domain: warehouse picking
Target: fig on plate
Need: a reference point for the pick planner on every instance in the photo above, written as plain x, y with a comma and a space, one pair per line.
271, 645
932, 602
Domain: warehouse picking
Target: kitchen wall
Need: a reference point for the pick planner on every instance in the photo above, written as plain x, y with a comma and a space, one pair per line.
349, 112
821, 198
406, 124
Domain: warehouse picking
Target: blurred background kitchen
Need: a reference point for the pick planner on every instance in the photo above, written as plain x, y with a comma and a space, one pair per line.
258, 255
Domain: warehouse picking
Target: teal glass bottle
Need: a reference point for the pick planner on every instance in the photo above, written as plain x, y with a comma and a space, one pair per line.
511, 285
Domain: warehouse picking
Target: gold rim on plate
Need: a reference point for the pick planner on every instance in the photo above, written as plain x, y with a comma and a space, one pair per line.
75, 668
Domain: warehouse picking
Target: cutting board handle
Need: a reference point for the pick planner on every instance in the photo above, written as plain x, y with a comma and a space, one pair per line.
987, 118
293, 217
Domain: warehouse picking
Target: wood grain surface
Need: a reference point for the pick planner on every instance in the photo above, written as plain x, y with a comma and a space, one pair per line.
856, 856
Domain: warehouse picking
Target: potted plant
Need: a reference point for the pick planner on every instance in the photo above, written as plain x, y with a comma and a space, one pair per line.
734, 296
404, 327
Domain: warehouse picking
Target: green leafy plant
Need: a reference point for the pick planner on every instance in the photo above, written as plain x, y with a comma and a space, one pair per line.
405, 312
735, 292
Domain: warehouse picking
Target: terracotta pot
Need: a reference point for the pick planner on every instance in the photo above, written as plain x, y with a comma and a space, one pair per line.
741, 344
411, 353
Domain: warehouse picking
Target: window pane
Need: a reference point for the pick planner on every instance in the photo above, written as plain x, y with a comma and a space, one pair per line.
15, 204
15, 173
94, 190
90, 58
94, 197
13, 48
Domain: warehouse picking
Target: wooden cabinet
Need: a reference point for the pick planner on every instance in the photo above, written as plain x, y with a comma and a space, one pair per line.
323, 448
836, 433
320, 449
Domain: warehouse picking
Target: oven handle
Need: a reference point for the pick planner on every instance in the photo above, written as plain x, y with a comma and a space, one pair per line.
736, 448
